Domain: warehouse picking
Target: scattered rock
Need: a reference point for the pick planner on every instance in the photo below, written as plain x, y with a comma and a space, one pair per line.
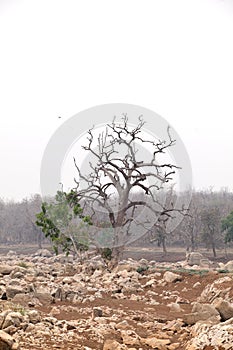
6, 269
201, 312
129, 337
11, 291
224, 308
171, 277
228, 266
155, 343
97, 312
175, 307
34, 316
44, 253
7, 342
209, 336
60, 302
194, 258
197, 284
111, 344
215, 290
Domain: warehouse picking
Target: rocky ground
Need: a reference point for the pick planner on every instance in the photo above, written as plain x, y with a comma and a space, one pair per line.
54, 302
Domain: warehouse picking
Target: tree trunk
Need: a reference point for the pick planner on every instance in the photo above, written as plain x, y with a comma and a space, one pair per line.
39, 235
117, 253
213, 248
192, 241
225, 249
164, 245
39, 239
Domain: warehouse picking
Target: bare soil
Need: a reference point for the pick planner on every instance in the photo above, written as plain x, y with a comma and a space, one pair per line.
135, 312
161, 312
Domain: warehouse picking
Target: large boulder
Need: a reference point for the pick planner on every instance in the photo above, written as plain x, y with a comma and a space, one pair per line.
195, 258
171, 277
229, 266
7, 342
43, 297
11, 291
11, 319
128, 266
205, 335
6, 269
45, 253
202, 312
224, 308
219, 288
34, 316
22, 299
129, 337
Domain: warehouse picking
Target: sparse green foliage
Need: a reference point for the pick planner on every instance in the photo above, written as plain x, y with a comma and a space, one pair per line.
211, 219
106, 253
223, 271
23, 264
64, 223
142, 269
21, 310
227, 226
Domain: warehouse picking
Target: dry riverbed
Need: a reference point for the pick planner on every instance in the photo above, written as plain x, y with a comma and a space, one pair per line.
53, 302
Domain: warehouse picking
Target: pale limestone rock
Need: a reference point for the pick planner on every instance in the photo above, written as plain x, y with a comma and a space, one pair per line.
122, 325
215, 290
11, 291
201, 312
174, 346
6, 269
194, 258
55, 311
213, 336
129, 337
229, 266
175, 307
224, 308
171, 277
111, 344
196, 285
44, 253
22, 299
156, 343
34, 316
12, 319
6, 341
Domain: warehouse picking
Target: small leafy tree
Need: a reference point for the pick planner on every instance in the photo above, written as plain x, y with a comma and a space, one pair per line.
64, 223
227, 227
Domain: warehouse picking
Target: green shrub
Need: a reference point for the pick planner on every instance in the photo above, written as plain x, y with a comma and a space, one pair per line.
223, 271
106, 253
142, 269
23, 264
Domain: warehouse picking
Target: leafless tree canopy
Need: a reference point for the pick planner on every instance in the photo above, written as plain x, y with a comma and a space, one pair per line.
122, 183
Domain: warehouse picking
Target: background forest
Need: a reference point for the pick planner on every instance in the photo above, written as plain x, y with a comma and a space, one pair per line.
202, 228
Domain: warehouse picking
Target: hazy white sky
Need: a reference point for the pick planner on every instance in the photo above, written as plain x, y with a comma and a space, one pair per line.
59, 57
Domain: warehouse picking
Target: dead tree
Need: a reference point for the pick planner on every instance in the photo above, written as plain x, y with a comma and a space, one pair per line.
118, 175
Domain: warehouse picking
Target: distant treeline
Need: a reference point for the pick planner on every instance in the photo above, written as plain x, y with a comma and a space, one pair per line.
201, 227
17, 221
